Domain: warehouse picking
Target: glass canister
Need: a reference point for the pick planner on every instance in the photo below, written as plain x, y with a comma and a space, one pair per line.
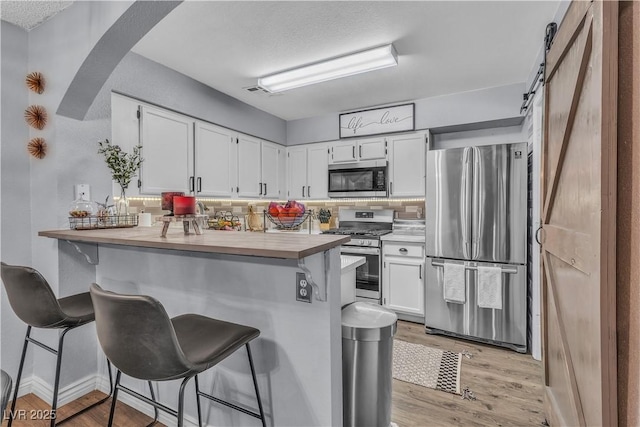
81, 208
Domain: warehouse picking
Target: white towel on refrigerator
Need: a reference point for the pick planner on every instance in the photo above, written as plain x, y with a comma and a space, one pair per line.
490, 287
454, 283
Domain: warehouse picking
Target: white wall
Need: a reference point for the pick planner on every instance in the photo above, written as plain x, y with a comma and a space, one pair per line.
484, 105
16, 231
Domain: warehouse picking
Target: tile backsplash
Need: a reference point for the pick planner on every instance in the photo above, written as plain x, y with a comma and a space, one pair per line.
404, 209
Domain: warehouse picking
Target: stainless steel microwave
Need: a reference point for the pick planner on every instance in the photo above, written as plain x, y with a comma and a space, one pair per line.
361, 179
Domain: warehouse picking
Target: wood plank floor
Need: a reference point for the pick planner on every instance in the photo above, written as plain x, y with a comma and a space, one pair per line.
507, 387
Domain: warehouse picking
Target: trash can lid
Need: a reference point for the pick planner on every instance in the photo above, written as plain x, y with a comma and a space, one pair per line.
364, 315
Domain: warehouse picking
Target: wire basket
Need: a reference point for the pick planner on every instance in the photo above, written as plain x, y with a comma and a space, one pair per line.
286, 222
105, 221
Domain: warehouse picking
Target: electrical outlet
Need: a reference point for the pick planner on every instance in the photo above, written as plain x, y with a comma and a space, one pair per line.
303, 288
82, 191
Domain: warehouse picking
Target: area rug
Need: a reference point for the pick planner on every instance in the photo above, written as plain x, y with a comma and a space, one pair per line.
426, 366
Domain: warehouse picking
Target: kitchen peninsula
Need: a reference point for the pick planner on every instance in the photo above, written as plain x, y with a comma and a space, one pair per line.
246, 278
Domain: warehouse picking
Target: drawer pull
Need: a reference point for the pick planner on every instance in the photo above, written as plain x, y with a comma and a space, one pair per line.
403, 250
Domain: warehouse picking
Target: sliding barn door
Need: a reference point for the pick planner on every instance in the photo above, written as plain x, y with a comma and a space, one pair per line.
578, 218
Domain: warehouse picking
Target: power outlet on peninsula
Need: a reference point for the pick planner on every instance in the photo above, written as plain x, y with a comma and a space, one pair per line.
303, 288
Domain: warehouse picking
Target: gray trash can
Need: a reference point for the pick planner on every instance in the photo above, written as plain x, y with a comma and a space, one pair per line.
367, 350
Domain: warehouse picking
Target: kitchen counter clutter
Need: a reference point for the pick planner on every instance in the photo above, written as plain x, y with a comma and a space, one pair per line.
246, 278
270, 245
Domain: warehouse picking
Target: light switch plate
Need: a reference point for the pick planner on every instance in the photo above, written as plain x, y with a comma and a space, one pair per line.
82, 191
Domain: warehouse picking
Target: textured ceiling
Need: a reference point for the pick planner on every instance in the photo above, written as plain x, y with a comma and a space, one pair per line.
29, 14
443, 47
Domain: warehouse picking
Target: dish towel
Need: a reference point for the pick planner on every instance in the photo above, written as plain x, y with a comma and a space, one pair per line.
454, 283
490, 287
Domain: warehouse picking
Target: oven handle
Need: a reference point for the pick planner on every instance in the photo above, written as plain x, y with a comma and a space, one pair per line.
357, 250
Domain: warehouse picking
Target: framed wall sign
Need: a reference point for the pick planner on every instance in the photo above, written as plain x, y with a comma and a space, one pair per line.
375, 121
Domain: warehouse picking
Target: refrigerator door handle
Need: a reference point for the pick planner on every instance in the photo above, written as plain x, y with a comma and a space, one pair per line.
466, 201
476, 213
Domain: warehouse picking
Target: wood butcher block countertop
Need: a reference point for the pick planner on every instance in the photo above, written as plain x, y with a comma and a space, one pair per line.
270, 245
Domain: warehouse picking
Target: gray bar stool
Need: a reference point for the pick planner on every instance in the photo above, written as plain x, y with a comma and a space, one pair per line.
33, 301
141, 340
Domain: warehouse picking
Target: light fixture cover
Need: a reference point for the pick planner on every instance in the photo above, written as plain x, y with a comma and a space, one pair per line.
343, 66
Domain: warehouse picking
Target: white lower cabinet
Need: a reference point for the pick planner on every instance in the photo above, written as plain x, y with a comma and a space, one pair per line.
403, 277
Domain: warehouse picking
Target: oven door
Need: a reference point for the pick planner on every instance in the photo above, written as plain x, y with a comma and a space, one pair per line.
368, 274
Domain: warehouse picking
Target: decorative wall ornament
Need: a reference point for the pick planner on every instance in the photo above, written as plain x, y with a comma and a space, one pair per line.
376, 121
37, 148
35, 81
36, 116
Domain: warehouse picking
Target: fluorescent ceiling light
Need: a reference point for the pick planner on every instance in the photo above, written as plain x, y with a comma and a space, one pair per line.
343, 66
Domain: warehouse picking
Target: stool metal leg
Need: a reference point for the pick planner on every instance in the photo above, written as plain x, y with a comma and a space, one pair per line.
181, 402
15, 392
155, 409
255, 384
56, 384
114, 398
198, 402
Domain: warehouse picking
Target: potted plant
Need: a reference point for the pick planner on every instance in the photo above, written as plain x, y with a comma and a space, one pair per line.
124, 166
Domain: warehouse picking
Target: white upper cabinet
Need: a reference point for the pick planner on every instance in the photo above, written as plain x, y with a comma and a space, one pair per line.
184, 154
271, 165
407, 158
297, 167
259, 168
308, 171
249, 162
215, 153
344, 151
318, 171
167, 150
372, 149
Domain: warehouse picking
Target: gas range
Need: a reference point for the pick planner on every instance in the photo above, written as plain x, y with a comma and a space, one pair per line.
364, 226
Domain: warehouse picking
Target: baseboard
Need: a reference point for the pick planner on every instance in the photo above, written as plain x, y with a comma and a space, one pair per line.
69, 393
77, 389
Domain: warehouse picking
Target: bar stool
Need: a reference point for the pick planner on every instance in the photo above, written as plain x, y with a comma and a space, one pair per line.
141, 340
33, 301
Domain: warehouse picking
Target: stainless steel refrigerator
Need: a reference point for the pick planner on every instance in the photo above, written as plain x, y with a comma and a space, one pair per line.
476, 216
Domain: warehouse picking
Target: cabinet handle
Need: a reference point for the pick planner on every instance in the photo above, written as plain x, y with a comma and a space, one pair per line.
403, 250
265, 188
191, 183
354, 152
308, 191
360, 151
420, 272
199, 184
260, 188
303, 191
391, 187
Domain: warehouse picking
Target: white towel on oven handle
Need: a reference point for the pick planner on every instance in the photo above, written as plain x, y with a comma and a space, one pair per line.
489, 287
454, 283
